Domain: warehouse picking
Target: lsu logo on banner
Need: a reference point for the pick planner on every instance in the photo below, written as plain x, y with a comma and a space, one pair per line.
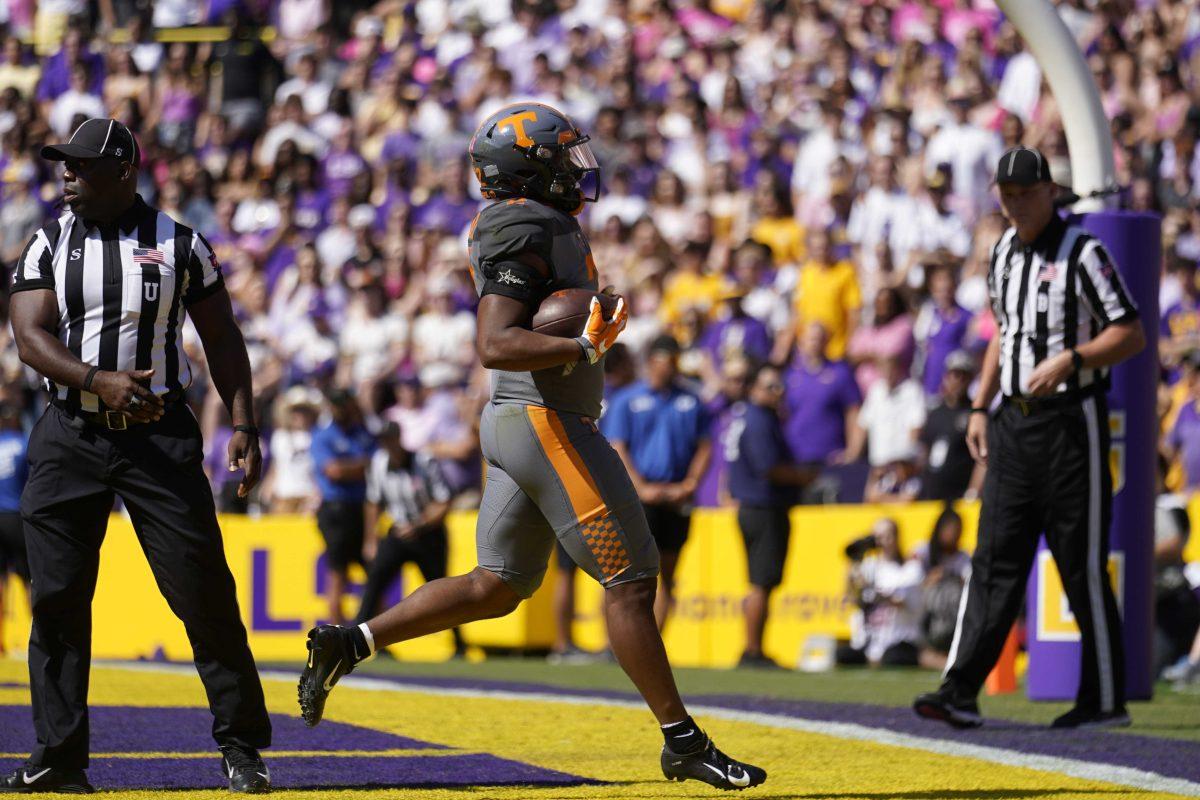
1055, 622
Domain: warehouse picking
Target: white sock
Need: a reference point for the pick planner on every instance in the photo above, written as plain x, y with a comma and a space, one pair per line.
370, 639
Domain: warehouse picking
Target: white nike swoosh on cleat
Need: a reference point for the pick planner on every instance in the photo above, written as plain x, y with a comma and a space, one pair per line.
328, 686
683, 735
714, 769
29, 779
742, 781
231, 773
263, 775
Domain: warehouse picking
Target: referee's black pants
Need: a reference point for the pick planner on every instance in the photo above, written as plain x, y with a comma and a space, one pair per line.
75, 468
1047, 472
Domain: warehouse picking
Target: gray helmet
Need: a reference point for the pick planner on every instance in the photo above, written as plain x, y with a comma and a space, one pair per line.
532, 150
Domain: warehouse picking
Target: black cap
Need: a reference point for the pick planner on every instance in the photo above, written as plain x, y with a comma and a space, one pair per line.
665, 344
1023, 165
93, 139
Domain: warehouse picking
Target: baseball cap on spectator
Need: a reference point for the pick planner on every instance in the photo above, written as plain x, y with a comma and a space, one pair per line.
1023, 165
339, 397
665, 344
960, 361
96, 138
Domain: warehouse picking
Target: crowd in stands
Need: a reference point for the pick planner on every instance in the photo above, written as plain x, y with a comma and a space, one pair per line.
799, 182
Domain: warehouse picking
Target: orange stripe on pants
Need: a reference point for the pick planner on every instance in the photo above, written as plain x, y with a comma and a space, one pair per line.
596, 526
567, 463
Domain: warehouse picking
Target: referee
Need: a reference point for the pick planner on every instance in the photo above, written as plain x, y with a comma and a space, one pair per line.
1064, 317
98, 298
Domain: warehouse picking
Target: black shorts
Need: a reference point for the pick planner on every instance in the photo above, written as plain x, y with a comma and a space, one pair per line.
12, 545
668, 525
766, 532
341, 526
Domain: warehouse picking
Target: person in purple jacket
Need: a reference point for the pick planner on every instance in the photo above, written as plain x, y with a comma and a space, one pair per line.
822, 401
735, 334
942, 327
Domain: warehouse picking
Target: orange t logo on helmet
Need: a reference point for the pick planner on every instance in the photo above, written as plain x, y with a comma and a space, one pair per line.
517, 123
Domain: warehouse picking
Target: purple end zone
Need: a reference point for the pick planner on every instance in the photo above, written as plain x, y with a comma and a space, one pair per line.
1173, 758
125, 729
329, 772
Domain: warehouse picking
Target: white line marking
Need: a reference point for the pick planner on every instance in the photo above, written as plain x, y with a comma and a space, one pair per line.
1075, 768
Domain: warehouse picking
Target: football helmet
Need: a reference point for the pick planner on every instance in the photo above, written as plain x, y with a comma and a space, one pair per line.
535, 151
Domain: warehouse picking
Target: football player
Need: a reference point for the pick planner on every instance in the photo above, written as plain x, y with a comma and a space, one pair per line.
550, 473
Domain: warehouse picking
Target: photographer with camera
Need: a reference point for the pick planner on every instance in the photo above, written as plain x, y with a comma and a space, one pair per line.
887, 588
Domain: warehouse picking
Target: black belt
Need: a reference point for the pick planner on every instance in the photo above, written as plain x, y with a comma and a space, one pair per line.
111, 420
1035, 405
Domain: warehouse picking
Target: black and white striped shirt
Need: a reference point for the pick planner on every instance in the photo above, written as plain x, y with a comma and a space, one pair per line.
404, 493
122, 289
1052, 295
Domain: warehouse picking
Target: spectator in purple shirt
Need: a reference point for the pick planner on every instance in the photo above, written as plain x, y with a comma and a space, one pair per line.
1183, 442
822, 401
735, 334
56, 73
1179, 326
713, 490
942, 327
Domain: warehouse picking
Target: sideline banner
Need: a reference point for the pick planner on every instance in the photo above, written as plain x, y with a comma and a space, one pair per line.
278, 567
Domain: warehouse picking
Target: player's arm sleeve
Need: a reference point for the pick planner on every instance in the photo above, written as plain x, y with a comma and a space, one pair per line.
34, 269
1104, 290
203, 273
504, 246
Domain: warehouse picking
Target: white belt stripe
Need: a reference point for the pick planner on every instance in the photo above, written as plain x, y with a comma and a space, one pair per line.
1095, 570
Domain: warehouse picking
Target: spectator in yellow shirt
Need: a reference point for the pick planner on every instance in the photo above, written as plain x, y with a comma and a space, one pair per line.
828, 293
689, 287
776, 225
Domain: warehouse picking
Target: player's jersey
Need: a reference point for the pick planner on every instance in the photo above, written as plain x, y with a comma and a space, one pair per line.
500, 233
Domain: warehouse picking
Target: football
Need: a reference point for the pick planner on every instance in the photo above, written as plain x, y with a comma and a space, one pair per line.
565, 312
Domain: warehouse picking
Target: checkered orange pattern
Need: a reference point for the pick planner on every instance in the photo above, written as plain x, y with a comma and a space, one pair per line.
603, 539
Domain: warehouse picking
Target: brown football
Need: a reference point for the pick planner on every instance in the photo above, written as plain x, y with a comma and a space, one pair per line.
565, 312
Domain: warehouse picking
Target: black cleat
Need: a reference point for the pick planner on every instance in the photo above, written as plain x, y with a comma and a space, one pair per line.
330, 656
711, 766
1091, 718
944, 708
29, 779
245, 769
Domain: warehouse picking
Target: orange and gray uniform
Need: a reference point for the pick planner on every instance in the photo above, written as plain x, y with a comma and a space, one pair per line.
549, 472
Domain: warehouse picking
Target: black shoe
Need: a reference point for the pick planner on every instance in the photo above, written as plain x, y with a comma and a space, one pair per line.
330, 656
29, 779
759, 661
245, 769
941, 706
711, 766
1091, 718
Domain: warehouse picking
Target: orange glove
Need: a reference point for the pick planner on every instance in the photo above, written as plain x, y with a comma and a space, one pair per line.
599, 334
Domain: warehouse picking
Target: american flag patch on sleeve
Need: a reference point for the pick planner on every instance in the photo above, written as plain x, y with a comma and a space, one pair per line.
145, 255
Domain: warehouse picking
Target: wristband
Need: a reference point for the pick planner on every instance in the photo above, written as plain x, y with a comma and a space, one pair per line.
586, 348
250, 429
1076, 360
977, 410
87, 381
